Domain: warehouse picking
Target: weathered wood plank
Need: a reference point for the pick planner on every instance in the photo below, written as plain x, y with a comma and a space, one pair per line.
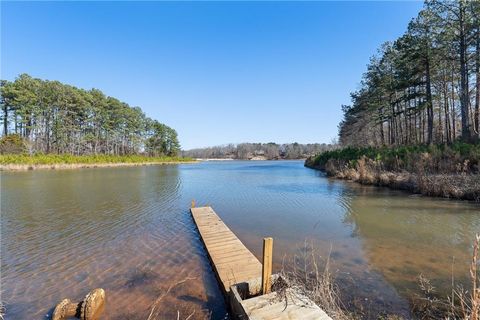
267, 264
232, 261
233, 264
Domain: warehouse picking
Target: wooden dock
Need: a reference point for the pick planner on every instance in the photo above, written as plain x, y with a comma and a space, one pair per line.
232, 261
240, 276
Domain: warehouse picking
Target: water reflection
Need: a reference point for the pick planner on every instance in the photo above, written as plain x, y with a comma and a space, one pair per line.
128, 230
403, 236
64, 233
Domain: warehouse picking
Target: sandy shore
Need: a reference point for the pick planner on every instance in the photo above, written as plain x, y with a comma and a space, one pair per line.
62, 166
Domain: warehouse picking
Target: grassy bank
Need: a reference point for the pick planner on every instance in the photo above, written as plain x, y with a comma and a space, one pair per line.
65, 161
451, 171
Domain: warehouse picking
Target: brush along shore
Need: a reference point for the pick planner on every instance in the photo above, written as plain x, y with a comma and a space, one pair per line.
442, 171
53, 161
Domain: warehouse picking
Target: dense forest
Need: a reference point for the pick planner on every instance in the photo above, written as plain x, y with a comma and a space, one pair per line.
270, 151
424, 87
45, 116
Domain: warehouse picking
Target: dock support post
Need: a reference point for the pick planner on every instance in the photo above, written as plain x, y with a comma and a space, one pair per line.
267, 265
193, 203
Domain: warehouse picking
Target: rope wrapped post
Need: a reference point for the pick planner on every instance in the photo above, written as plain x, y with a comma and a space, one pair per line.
267, 265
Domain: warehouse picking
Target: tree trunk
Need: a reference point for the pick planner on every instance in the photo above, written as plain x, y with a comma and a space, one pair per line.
440, 125
415, 124
464, 100
429, 100
382, 136
477, 90
5, 119
454, 118
446, 111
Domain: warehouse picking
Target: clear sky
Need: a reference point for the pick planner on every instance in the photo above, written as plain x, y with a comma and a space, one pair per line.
217, 72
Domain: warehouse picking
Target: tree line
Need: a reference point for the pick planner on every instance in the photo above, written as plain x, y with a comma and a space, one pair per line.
424, 87
52, 117
269, 151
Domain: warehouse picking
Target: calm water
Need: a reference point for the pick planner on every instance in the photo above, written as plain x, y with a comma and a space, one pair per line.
128, 230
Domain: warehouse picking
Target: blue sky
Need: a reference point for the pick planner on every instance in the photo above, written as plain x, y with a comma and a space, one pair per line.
217, 72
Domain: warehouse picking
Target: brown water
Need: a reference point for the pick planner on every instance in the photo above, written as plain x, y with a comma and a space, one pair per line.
128, 230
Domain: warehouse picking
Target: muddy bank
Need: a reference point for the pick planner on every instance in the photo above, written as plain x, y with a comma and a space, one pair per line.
465, 186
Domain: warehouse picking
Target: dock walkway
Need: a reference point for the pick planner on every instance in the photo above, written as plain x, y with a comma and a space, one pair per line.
236, 267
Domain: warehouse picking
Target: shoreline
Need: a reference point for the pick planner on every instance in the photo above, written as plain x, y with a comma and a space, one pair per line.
449, 186
67, 166
252, 159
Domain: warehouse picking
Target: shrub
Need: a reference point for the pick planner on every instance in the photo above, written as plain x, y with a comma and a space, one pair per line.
12, 144
51, 159
441, 158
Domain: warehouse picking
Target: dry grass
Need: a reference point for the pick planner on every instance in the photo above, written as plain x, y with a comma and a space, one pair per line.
469, 302
461, 304
451, 171
306, 277
66, 161
310, 275
63, 166
303, 272
458, 185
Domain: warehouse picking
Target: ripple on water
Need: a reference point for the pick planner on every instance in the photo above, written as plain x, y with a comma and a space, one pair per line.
128, 230
62, 241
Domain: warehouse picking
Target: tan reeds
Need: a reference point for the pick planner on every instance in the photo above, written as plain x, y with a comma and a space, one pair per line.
470, 302
461, 304
304, 274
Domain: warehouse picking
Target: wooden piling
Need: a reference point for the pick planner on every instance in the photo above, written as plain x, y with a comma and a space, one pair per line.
89, 309
267, 265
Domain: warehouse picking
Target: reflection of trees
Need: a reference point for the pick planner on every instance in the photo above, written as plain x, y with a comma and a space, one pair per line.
403, 236
345, 198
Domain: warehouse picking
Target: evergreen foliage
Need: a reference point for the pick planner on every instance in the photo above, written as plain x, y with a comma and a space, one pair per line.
424, 87
51, 117
441, 157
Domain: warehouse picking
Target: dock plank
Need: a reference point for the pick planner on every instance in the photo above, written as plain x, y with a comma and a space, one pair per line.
232, 261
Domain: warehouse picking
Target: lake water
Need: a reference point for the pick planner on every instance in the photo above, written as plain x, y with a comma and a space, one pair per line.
129, 231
